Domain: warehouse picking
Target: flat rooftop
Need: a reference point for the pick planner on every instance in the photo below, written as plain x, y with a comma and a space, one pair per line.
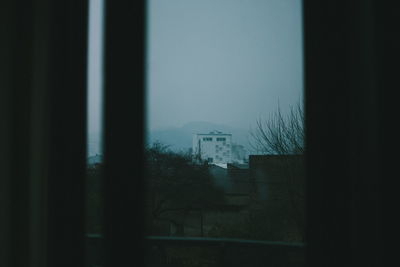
213, 133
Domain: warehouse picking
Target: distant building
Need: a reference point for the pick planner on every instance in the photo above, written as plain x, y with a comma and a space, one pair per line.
213, 147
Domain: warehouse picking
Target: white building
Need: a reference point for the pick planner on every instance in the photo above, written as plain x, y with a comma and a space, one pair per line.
214, 147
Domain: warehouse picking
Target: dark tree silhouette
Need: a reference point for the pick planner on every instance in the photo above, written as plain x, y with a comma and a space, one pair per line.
94, 200
282, 136
176, 186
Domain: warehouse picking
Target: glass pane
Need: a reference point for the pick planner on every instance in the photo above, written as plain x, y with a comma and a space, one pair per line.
94, 200
225, 120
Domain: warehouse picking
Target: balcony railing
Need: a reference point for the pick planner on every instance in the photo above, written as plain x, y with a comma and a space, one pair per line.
195, 251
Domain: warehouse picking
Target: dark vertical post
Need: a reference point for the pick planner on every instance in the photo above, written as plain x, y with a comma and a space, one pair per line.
124, 132
15, 106
43, 142
67, 68
342, 124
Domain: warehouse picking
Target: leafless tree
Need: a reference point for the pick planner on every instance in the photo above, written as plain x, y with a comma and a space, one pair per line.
176, 187
283, 136
280, 134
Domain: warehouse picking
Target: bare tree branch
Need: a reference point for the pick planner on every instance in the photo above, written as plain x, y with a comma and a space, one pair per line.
279, 134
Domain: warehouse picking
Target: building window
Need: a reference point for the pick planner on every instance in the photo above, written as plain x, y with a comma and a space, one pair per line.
210, 160
221, 139
207, 138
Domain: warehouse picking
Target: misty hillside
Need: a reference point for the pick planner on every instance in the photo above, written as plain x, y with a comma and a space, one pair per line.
181, 138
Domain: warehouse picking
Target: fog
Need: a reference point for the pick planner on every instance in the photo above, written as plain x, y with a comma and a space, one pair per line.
95, 77
222, 61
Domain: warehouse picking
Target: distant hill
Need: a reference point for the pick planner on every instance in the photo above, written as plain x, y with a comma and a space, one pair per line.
181, 138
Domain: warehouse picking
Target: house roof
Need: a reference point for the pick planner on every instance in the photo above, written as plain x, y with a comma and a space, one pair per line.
222, 165
232, 182
238, 166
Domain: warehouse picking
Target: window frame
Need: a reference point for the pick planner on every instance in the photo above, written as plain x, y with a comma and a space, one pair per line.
346, 43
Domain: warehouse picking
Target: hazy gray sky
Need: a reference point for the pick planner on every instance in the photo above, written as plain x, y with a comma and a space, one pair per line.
95, 77
95, 65
223, 61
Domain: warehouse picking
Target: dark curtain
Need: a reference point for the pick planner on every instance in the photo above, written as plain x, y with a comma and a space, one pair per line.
42, 136
350, 125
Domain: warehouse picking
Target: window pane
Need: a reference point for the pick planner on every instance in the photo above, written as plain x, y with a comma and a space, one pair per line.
225, 82
225, 120
94, 183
